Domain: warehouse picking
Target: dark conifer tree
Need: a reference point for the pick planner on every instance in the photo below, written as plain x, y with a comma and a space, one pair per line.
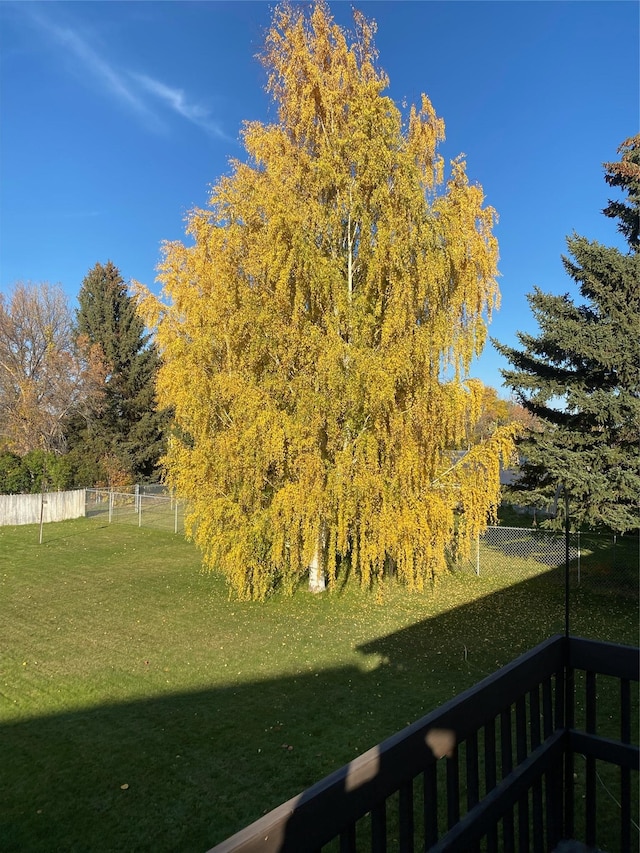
125, 434
580, 376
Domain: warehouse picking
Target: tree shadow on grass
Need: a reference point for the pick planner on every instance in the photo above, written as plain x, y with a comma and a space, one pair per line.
47, 539
182, 772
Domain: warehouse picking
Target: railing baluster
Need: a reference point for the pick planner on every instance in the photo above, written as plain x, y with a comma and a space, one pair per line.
555, 781
590, 803
521, 754
547, 730
473, 775
430, 804
379, 828
348, 839
521, 729
473, 779
506, 743
490, 779
559, 717
625, 711
538, 814
534, 717
453, 790
552, 802
508, 838
506, 747
569, 721
625, 772
547, 709
405, 815
591, 702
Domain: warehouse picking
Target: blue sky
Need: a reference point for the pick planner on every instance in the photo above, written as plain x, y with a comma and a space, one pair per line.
116, 117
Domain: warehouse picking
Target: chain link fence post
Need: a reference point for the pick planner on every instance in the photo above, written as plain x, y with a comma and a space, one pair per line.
159, 511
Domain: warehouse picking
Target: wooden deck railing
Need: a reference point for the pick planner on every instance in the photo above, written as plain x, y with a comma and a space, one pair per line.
509, 783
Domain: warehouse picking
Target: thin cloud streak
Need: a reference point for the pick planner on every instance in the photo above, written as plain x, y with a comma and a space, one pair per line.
129, 88
90, 61
176, 100
101, 69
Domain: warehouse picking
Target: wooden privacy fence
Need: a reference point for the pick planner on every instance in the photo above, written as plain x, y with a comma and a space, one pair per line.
50, 506
510, 782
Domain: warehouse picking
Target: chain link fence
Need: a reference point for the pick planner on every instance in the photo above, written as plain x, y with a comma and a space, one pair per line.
606, 563
527, 567
158, 511
521, 552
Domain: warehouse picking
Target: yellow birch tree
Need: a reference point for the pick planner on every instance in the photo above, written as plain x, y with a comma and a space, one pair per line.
333, 281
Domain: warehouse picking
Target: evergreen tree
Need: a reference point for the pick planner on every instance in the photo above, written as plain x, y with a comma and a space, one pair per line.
581, 375
304, 333
123, 437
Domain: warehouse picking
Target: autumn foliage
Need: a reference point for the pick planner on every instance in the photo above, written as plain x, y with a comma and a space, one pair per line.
46, 371
331, 283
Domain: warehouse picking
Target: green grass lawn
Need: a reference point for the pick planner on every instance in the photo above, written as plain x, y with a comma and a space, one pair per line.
141, 709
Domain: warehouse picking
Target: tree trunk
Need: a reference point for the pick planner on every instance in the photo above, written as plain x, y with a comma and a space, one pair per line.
317, 579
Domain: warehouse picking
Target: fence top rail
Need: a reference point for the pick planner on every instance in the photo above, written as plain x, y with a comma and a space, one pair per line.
537, 530
131, 495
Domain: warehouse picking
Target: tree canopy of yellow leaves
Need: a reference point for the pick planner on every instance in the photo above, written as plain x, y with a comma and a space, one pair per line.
331, 283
